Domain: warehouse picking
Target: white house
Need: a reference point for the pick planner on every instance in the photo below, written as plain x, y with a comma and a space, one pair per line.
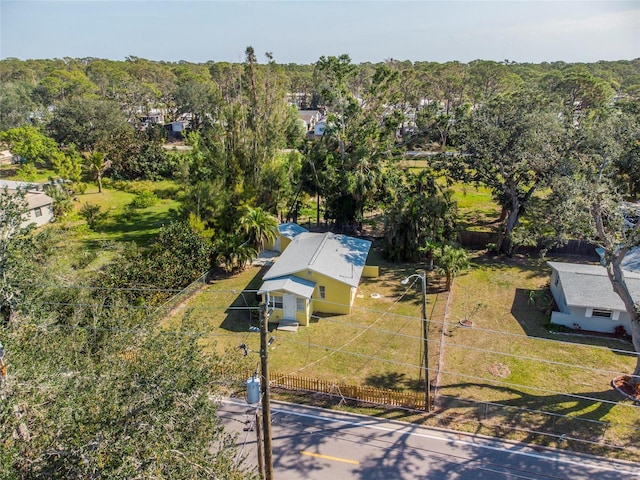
39, 204
586, 300
40, 207
319, 128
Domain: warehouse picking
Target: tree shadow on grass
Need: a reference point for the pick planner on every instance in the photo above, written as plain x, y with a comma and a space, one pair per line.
546, 419
140, 227
243, 312
394, 381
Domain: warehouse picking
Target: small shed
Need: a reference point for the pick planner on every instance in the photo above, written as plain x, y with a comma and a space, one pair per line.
586, 299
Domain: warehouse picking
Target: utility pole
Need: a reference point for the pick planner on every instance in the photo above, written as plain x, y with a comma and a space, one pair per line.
425, 336
425, 340
264, 387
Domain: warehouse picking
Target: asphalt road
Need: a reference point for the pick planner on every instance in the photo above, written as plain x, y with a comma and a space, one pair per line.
311, 443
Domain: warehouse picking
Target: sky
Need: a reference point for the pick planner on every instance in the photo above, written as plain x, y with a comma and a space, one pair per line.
301, 31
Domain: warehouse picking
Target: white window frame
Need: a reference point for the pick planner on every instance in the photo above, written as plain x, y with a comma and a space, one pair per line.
601, 313
276, 301
322, 292
301, 304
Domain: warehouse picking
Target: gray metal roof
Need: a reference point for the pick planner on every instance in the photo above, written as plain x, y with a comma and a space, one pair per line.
589, 286
33, 198
337, 256
298, 286
14, 185
291, 230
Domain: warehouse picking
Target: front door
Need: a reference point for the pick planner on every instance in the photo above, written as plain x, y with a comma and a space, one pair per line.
289, 306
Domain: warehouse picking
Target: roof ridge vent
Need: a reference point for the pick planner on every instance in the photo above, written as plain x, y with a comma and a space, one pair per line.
319, 249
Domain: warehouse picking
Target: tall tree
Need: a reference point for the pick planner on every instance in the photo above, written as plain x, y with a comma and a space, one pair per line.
419, 216
88, 123
594, 208
359, 139
511, 145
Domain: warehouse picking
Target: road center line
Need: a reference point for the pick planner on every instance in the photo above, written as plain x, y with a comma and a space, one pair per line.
408, 431
328, 457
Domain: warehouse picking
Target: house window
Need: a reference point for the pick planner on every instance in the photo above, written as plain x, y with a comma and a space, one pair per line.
600, 312
323, 292
37, 212
301, 304
276, 301
557, 279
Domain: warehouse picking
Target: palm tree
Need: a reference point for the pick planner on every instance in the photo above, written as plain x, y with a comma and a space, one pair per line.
258, 226
450, 262
233, 252
96, 164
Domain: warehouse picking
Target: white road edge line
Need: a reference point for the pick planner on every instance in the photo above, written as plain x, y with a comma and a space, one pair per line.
449, 440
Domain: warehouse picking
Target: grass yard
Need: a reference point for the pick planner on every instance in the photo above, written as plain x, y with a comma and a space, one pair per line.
509, 358
123, 224
476, 207
506, 369
379, 344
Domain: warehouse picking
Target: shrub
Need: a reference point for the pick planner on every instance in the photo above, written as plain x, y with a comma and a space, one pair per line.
620, 331
78, 187
143, 200
92, 214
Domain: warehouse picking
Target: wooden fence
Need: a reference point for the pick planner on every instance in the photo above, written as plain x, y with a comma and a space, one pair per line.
480, 240
357, 393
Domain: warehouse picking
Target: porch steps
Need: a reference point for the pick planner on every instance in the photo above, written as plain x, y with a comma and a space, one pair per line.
288, 325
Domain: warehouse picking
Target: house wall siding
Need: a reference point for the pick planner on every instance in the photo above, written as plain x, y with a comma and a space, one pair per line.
338, 294
577, 316
45, 217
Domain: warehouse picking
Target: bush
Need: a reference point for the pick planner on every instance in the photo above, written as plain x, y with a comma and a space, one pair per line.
27, 172
554, 327
620, 331
144, 199
79, 187
92, 214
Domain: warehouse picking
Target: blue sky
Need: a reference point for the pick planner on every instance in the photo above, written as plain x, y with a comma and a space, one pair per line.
300, 31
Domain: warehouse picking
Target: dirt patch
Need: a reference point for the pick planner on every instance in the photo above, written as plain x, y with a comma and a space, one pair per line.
499, 370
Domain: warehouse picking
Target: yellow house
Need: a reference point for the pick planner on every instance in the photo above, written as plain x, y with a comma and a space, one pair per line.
286, 233
318, 272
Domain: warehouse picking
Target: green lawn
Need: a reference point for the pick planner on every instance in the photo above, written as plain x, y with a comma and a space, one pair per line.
379, 345
477, 210
509, 357
139, 225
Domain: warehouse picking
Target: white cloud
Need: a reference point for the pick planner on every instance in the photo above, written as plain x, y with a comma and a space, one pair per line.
623, 21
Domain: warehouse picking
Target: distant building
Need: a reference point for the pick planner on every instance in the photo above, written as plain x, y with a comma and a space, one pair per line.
309, 118
39, 204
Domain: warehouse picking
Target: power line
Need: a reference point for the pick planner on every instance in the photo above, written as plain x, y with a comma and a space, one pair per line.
468, 347
484, 379
367, 310
371, 327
